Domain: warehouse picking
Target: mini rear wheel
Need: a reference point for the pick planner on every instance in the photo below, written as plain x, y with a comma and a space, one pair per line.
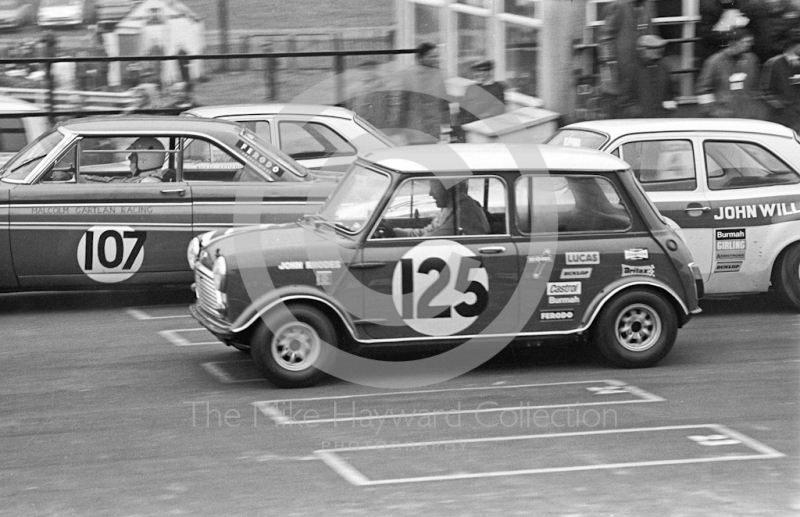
636, 329
288, 348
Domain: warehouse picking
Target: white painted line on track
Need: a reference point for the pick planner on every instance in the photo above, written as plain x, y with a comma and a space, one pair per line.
174, 337
350, 473
609, 387
143, 316
214, 369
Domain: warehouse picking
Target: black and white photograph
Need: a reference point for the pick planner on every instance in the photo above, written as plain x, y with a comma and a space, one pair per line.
400, 258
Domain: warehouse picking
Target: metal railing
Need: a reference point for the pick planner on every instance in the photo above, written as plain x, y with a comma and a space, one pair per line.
59, 103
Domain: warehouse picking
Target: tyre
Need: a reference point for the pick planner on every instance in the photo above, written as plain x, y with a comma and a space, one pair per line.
787, 278
287, 350
636, 329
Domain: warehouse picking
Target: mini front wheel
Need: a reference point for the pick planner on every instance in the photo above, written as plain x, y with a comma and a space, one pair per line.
288, 347
636, 329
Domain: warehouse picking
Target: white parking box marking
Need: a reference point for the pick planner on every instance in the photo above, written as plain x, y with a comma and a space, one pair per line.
554, 452
412, 404
141, 315
175, 337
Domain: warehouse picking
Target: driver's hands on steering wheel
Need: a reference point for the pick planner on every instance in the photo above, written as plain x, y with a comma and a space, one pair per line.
383, 231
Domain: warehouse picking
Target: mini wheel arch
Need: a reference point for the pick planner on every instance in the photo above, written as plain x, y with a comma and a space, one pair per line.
594, 310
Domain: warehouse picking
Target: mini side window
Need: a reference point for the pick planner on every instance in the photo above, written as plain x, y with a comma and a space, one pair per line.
734, 165
428, 207
568, 203
662, 165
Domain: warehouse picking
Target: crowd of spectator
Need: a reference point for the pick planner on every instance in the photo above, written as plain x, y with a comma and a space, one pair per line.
747, 56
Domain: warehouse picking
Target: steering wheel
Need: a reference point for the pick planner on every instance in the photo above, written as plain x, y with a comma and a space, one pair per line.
384, 231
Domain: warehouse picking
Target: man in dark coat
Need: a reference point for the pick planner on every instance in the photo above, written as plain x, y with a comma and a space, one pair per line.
625, 22
780, 84
728, 83
656, 96
486, 97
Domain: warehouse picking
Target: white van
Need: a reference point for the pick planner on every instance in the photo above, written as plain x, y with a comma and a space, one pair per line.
63, 13
16, 132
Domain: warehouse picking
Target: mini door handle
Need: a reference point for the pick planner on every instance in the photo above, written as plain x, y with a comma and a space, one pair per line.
701, 208
492, 249
367, 265
178, 191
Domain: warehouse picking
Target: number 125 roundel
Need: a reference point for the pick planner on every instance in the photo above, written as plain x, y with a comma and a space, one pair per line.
113, 202
438, 245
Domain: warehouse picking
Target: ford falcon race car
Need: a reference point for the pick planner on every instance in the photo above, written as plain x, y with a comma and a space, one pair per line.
105, 202
437, 245
317, 136
732, 185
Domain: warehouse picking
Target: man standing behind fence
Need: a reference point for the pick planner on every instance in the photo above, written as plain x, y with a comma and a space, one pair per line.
728, 83
423, 106
371, 97
625, 22
780, 83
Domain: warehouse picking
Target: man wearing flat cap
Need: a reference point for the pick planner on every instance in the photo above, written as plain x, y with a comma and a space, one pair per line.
486, 97
654, 91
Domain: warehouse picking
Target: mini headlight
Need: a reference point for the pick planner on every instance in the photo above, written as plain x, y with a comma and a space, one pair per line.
220, 271
193, 251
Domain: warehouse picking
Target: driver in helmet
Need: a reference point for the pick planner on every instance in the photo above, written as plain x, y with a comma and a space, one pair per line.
146, 159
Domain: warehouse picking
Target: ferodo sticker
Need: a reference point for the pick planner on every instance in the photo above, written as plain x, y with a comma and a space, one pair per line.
581, 258
255, 157
556, 315
440, 288
111, 254
730, 244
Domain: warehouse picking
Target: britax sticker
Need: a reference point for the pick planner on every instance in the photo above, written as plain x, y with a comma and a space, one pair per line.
580, 258
628, 270
727, 267
576, 273
730, 244
556, 315
563, 288
637, 254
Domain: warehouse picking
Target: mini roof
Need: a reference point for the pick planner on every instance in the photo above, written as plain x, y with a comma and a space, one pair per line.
493, 157
620, 127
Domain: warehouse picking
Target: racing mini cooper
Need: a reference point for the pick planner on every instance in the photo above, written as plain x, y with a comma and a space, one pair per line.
435, 246
113, 202
733, 186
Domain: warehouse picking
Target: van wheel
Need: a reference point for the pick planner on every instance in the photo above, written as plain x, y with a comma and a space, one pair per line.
287, 349
636, 329
788, 278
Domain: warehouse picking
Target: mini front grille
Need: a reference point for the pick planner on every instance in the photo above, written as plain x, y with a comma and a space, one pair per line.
207, 295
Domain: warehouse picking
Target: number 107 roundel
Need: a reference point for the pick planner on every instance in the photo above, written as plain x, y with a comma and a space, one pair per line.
438, 245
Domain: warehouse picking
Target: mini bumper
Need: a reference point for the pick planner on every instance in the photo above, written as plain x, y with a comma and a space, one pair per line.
219, 329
